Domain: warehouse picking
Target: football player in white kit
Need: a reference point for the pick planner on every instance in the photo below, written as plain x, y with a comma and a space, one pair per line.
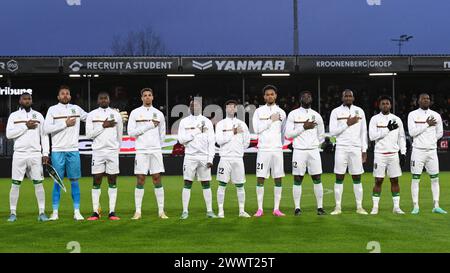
426, 128
386, 129
306, 127
147, 124
233, 137
348, 125
104, 125
196, 133
269, 123
31, 148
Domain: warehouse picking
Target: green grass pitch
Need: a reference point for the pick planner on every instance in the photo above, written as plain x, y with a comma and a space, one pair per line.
348, 232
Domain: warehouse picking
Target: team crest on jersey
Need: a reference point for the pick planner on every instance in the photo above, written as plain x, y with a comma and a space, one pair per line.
313, 118
73, 111
154, 116
357, 112
34, 116
111, 116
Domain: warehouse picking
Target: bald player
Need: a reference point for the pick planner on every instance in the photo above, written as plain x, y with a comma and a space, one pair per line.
348, 125
426, 128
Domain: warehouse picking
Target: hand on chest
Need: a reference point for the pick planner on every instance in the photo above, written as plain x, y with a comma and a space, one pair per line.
104, 116
193, 124
25, 118
229, 127
271, 114
302, 118
423, 119
148, 116
63, 114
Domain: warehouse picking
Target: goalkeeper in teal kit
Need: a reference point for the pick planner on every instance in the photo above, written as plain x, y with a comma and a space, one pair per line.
63, 124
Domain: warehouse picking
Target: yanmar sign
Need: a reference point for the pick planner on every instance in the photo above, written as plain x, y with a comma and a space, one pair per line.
224, 64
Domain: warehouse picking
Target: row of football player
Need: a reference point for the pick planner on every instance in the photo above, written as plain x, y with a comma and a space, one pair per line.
104, 125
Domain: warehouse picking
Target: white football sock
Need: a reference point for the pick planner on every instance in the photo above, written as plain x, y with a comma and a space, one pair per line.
186, 196
220, 197
277, 197
207, 195
159, 193
138, 196
260, 196
415, 192
241, 198
376, 201
112, 194
40, 197
297, 194
435, 190
318, 192
96, 199
14, 197
338, 190
358, 190
396, 200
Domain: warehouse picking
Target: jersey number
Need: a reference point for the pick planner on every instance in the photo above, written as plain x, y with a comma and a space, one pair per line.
221, 170
259, 166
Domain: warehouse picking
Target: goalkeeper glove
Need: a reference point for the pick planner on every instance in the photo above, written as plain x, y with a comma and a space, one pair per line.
123, 115
392, 125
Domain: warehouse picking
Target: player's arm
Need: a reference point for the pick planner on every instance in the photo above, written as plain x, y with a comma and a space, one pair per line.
45, 142
260, 125
184, 136
49, 125
162, 129
414, 130
335, 128
320, 129
221, 137
134, 130
246, 135
211, 141
439, 127
14, 131
283, 125
119, 128
92, 132
376, 133
290, 127
402, 138
364, 139
83, 114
